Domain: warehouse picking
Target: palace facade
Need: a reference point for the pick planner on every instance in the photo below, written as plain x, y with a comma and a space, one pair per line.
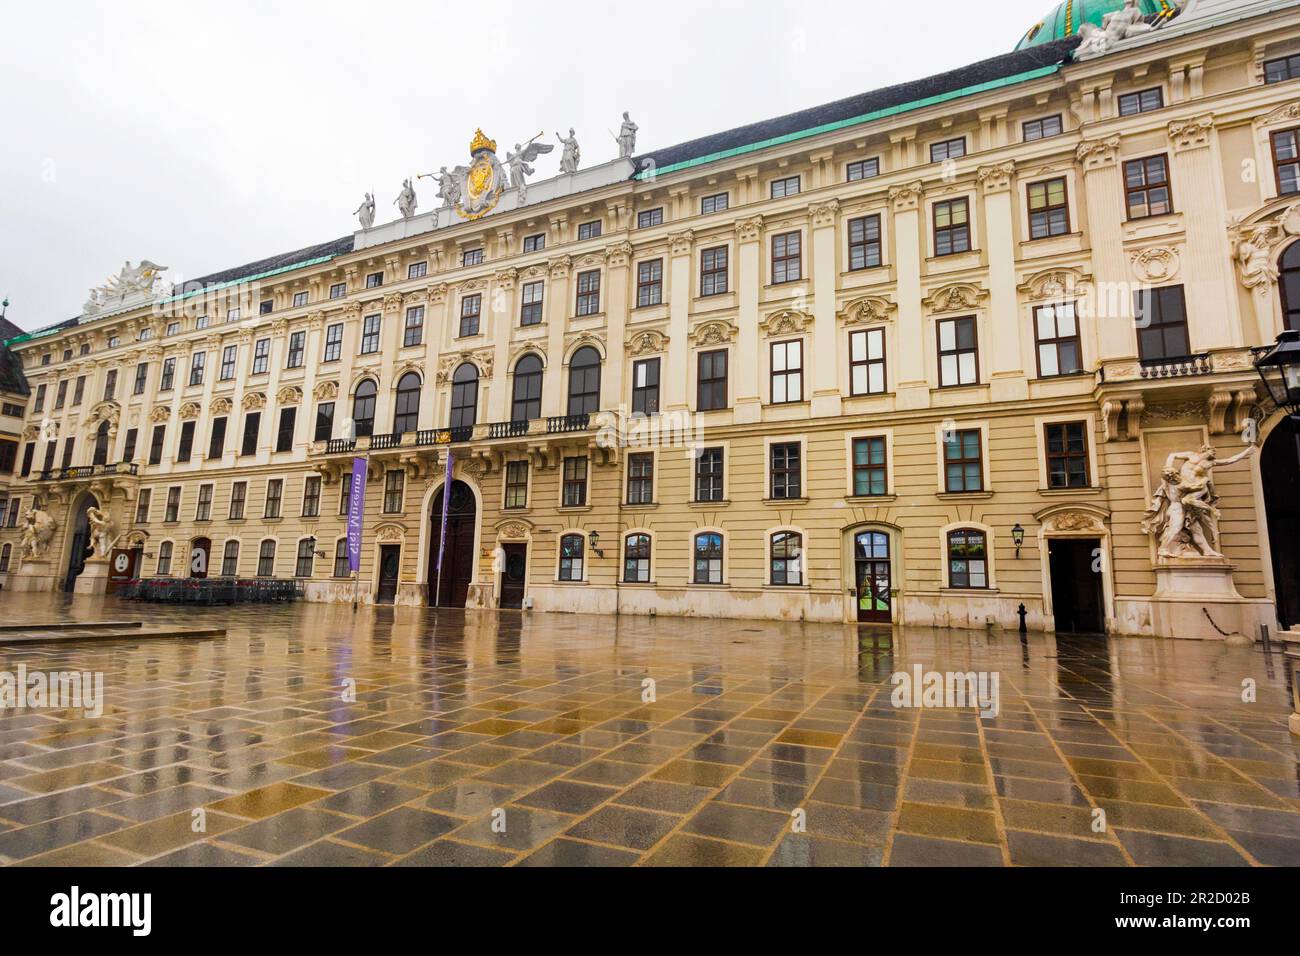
916, 356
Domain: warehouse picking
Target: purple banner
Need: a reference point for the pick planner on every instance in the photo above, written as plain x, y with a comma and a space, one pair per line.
356, 511
446, 507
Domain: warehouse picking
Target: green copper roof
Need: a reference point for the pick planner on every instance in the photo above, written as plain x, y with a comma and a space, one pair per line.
1064, 20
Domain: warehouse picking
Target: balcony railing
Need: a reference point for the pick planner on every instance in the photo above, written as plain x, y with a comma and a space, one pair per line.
381, 442
567, 423
507, 429
339, 446
1180, 366
444, 436
89, 471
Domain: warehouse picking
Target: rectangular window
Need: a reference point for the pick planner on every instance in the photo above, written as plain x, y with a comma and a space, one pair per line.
1056, 330
708, 475
951, 227
535, 243
575, 482
142, 506
274, 498
394, 488
284, 434
141, 378
185, 447
338, 290
1286, 161
252, 424
786, 471
413, 333
345, 494
79, 391
296, 354
417, 270
787, 372
333, 343
571, 547
266, 559
306, 558
958, 352
1049, 209
324, 421
168, 379
517, 484
300, 299
370, 334
230, 559
1146, 187
870, 473
8, 458
864, 243
1162, 324
173, 328
711, 385
342, 566
713, 270
715, 203
128, 451
640, 478
645, 387
636, 559
39, 404
471, 308
789, 186
1044, 128
28, 454
110, 384
1067, 454
1144, 101
165, 558
69, 444
589, 230
650, 217
156, 444
173, 511
228, 357
862, 169
472, 257
589, 292
649, 283
232, 315
265, 307
787, 258
530, 310
197, 362
867, 362
238, 496
374, 280
963, 466
948, 149
967, 559
311, 496
261, 356
203, 509
1282, 69
15, 508
217, 440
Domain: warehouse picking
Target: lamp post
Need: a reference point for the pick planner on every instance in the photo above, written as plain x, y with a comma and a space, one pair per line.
594, 539
1280, 370
1018, 537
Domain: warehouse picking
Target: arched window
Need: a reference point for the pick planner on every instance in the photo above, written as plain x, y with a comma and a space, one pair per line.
230, 559
464, 396
636, 559
101, 445
584, 381
527, 403
165, 558
967, 559
406, 417
571, 546
342, 567
1289, 282
5, 552
787, 558
363, 408
266, 559
708, 558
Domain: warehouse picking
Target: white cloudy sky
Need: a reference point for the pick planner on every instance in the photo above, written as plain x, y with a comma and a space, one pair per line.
203, 135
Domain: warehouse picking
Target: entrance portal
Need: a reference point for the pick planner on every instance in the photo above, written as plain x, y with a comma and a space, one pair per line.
390, 563
872, 577
513, 575
1279, 469
1077, 599
450, 588
80, 549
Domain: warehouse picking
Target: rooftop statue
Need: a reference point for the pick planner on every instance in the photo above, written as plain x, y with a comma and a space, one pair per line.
1123, 24
626, 137
144, 279
366, 211
520, 163
405, 200
474, 190
572, 154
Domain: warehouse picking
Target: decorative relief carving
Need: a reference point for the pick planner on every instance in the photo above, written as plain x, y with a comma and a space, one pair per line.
680, 242
253, 401
717, 332
1096, 153
289, 395
560, 266
190, 411
619, 254
824, 213
512, 531
505, 279
906, 196
325, 390
393, 302
1155, 264
785, 322
1192, 410
160, 414
1076, 521
1191, 134
870, 309
957, 297
996, 178
1283, 114
647, 342
483, 360
390, 534
437, 293
1054, 285
749, 230
221, 406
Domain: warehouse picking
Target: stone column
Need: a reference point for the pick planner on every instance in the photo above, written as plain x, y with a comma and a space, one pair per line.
505, 312
435, 330
749, 281
390, 340
913, 388
619, 271
307, 413
211, 369
1006, 367
826, 352
674, 374
1111, 305
559, 306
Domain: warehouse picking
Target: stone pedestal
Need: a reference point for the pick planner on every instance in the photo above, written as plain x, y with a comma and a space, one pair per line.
34, 574
1189, 588
93, 578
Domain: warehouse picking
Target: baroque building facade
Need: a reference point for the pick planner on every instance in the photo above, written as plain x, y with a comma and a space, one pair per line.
919, 356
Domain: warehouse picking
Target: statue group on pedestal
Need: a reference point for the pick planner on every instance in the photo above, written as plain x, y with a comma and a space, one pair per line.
38, 531
1183, 515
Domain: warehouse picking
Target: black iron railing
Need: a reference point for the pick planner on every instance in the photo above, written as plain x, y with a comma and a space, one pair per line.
380, 442
89, 471
507, 429
338, 446
568, 423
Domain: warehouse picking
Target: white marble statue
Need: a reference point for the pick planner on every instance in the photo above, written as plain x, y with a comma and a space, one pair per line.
1183, 515
572, 154
405, 200
101, 531
142, 280
520, 163
449, 190
365, 213
627, 137
38, 531
1255, 254
1122, 24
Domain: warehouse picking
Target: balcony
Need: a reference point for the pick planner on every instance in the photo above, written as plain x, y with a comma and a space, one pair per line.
1182, 366
88, 472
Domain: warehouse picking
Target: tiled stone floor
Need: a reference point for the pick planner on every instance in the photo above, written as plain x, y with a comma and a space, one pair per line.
463, 722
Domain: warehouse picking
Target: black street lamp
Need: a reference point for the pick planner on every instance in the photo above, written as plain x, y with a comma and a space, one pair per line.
1280, 370
1018, 537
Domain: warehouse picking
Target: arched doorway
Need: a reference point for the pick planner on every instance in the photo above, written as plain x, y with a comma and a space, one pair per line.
79, 550
450, 588
1280, 475
872, 577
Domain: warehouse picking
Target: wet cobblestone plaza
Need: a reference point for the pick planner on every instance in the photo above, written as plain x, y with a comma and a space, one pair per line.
478, 738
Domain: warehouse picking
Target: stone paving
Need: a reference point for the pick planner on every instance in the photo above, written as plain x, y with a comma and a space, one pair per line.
486, 739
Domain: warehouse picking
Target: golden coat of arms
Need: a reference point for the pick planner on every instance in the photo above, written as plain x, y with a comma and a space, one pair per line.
473, 191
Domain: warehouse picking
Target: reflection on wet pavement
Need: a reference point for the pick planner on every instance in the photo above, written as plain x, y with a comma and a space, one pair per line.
310, 735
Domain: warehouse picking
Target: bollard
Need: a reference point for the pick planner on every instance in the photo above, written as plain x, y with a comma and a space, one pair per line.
1024, 629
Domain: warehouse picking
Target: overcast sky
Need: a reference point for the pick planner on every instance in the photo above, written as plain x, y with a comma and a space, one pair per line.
206, 135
